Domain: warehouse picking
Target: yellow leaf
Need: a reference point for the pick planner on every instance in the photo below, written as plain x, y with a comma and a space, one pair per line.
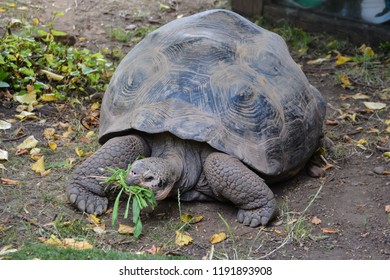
387, 122
53, 240
218, 237
375, 105
49, 97
28, 143
52, 145
362, 141
67, 133
342, 59
358, 96
182, 239
79, 152
24, 115
187, 218
123, 229
95, 106
386, 154
35, 21
388, 129
39, 165
90, 134
345, 82
52, 76
368, 51
95, 219
28, 98
78, 245
2, 10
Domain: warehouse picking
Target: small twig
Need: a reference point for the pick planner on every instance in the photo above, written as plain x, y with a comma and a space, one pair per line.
14, 139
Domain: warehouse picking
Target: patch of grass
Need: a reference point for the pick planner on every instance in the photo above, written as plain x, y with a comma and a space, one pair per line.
134, 36
48, 252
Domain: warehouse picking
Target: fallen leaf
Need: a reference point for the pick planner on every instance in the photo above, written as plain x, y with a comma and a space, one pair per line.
52, 76
328, 230
182, 239
49, 132
332, 122
7, 250
187, 218
5, 125
24, 115
78, 245
387, 208
53, 240
318, 60
28, 98
124, 229
386, 154
28, 143
345, 82
365, 50
154, 250
342, 59
373, 130
80, 152
99, 229
375, 105
94, 219
3, 155
95, 106
48, 97
39, 165
90, 134
218, 237
10, 182
315, 220
52, 145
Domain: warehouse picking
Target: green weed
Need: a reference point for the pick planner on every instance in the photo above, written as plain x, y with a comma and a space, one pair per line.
138, 197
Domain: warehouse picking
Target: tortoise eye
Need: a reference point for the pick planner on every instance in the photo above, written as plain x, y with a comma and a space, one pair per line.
149, 178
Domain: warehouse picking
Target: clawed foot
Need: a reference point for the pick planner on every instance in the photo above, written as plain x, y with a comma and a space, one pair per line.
87, 201
258, 216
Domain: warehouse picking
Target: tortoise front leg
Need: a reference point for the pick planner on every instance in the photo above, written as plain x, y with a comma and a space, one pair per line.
85, 190
230, 179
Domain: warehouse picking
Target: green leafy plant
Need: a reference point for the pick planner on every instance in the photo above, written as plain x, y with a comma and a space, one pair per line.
33, 62
138, 197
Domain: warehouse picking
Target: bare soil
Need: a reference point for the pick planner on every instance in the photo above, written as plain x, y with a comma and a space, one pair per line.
349, 202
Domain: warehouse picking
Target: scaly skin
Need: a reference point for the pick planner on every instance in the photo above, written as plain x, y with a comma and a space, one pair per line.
231, 180
85, 190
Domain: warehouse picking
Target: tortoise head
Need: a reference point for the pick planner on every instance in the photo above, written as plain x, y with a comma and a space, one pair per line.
154, 174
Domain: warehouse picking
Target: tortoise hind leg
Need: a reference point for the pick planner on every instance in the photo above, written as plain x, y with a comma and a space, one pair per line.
231, 180
85, 190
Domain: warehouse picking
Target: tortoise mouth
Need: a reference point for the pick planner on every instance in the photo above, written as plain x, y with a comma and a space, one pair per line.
161, 194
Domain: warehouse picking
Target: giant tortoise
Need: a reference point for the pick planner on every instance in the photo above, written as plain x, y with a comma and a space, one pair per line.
217, 108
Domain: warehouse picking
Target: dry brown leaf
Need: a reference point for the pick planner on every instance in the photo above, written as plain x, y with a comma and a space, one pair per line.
182, 239
387, 208
332, 122
78, 245
10, 182
49, 132
218, 237
124, 229
315, 220
329, 230
154, 250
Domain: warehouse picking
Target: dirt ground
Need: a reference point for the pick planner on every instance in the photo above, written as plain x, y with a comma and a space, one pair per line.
348, 205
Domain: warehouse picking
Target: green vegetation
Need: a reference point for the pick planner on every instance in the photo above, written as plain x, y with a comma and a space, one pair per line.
34, 63
138, 197
49, 252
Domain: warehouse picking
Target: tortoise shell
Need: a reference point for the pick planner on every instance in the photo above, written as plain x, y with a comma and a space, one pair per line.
216, 77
